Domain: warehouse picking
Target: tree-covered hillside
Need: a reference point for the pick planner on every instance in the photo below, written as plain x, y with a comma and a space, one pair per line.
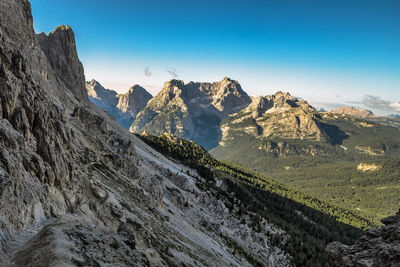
309, 222
357, 167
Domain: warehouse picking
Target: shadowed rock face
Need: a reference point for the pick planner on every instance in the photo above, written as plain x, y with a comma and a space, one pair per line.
60, 49
123, 107
192, 111
105, 99
76, 189
378, 247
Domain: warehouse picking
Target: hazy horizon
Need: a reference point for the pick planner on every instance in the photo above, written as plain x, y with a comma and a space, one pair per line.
331, 54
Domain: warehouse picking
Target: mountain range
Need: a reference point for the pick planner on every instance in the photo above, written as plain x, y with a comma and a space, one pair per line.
192, 111
123, 107
286, 138
78, 189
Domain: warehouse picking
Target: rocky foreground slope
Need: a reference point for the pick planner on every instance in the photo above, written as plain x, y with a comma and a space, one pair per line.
123, 107
76, 189
378, 247
192, 111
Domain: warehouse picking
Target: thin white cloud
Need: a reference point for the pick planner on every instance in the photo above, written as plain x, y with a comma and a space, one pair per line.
379, 103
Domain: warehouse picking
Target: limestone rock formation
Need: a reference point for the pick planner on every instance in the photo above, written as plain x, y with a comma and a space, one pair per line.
378, 247
105, 99
77, 189
355, 112
275, 116
273, 124
192, 111
60, 49
123, 107
134, 100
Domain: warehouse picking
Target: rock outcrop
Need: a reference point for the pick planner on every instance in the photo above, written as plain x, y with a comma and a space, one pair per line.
274, 124
76, 189
354, 112
60, 49
192, 111
378, 247
105, 99
284, 116
134, 100
123, 107
274, 116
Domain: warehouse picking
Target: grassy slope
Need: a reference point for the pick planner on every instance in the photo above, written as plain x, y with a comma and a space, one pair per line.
310, 222
334, 176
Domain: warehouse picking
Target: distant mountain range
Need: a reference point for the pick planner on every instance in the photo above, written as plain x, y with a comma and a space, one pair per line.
355, 112
394, 116
279, 135
124, 107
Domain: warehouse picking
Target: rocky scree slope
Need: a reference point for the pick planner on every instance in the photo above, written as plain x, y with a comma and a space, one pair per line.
309, 223
76, 189
123, 107
192, 111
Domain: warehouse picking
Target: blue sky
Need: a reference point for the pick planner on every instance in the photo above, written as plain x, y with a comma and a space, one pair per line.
328, 52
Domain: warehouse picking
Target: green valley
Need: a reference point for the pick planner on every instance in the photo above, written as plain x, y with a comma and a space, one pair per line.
356, 166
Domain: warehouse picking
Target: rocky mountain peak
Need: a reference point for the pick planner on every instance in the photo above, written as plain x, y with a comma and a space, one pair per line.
60, 49
230, 97
187, 110
283, 94
92, 82
134, 100
277, 103
353, 111
172, 83
96, 91
136, 88
273, 116
62, 28
124, 107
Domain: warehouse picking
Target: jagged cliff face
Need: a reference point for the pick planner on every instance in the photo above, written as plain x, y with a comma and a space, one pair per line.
378, 247
78, 189
105, 99
123, 107
192, 110
134, 100
281, 115
60, 50
271, 120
